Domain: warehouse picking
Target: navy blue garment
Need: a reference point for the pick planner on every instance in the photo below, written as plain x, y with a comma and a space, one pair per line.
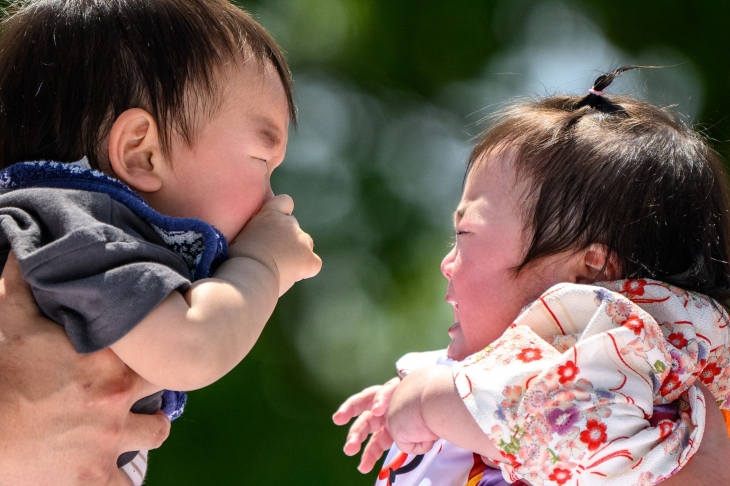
200, 246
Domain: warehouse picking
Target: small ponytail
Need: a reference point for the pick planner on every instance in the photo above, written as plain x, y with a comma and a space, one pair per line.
595, 98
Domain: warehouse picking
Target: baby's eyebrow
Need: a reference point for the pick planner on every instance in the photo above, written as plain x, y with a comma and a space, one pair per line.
458, 214
269, 132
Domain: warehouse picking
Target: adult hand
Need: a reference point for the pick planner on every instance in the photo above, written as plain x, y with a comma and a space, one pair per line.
64, 417
709, 465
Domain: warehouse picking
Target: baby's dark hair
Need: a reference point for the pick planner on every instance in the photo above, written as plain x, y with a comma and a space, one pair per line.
624, 173
69, 68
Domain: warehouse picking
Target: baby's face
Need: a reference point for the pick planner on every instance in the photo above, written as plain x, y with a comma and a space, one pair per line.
484, 292
224, 178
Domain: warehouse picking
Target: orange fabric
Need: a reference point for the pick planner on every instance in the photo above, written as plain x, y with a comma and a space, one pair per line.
726, 416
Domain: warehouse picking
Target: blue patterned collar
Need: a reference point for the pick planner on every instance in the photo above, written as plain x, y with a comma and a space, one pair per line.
200, 245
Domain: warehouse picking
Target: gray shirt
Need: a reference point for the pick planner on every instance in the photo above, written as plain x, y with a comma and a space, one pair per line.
92, 264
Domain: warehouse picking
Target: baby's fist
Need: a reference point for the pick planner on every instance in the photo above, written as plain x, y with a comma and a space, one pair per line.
274, 238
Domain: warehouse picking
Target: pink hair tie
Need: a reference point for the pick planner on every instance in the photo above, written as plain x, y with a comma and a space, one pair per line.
595, 92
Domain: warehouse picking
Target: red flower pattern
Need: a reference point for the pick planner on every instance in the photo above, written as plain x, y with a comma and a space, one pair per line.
670, 384
709, 373
529, 354
677, 340
561, 476
665, 428
634, 323
594, 435
635, 338
511, 458
567, 372
634, 288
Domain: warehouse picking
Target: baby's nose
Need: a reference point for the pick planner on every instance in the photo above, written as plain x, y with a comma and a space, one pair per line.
447, 263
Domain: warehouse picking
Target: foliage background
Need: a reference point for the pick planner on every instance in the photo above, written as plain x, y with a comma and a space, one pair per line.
390, 93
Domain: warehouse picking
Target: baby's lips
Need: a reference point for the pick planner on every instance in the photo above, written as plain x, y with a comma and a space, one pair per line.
450, 297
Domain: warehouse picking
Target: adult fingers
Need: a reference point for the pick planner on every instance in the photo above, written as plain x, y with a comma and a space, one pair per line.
120, 478
355, 405
12, 284
11, 271
379, 442
114, 384
282, 203
381, 402
144, 431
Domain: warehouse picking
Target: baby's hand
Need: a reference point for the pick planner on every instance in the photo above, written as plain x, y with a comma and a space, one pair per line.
369, 406
405, 420
274, 238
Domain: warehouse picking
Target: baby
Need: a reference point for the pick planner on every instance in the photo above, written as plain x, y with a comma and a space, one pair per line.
150, 226
554, 377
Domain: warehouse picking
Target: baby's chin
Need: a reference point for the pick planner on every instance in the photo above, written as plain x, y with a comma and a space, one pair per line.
455, 350
457, 346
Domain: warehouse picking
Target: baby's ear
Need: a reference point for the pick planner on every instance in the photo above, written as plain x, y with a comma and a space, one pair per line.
599, 264
135, 155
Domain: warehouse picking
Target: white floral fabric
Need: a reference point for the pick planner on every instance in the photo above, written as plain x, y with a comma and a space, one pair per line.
566, 392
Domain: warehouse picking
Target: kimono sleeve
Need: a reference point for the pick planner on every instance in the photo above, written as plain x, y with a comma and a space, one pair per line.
566, 393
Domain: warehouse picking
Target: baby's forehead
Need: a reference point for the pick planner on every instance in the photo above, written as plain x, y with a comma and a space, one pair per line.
497, 176
244, 81
500, 165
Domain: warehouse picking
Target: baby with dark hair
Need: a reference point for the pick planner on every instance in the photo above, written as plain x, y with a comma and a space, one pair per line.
589, 282
138, 141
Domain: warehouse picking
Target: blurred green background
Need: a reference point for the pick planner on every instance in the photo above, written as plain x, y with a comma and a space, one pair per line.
390, 93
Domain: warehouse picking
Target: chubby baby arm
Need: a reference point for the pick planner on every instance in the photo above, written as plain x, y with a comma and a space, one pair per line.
427, 406
192, 340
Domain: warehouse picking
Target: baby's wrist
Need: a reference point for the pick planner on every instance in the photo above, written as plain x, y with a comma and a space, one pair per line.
437, 396
241, 269
255, 253
417, 384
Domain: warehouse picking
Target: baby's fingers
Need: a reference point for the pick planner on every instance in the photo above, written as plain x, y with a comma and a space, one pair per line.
381, 402
355, 405
283, 203
415, 447
314, 262
365, 425
379, 442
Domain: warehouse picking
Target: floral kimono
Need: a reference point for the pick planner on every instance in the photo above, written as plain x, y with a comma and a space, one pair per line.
445, 464
566, 393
